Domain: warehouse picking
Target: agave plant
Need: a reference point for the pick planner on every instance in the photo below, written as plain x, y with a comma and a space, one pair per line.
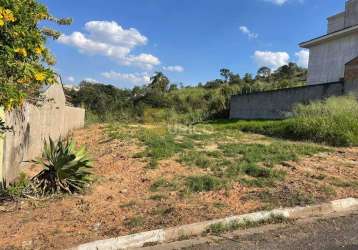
65, 169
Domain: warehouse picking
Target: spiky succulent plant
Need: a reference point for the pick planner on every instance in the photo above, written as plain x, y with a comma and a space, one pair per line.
66, 169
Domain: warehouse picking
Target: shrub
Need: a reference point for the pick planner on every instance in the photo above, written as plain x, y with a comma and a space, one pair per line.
65, 169
334, 121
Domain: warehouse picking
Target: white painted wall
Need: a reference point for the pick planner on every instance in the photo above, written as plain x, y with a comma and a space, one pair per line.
327, 60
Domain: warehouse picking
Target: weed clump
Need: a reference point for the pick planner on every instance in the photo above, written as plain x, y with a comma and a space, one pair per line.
219, 228
333, 121
204, 183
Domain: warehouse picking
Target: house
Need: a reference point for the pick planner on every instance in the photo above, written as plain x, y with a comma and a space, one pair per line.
330, 53
332, 71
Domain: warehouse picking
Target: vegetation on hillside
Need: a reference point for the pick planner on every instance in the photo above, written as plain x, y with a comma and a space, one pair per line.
162, 100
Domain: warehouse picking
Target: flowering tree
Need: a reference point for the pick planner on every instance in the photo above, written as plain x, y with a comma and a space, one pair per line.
25, 61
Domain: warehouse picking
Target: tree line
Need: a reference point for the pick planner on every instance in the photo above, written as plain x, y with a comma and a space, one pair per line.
163, 100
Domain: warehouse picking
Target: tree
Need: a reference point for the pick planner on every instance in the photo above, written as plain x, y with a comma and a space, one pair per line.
173, 87
159, 82
235, 79
264, 72
226, 73
25, 61
248, 78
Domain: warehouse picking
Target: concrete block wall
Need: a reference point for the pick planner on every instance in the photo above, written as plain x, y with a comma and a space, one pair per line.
31, 126
278, 104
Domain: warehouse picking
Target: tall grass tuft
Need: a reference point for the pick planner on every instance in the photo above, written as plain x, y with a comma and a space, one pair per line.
333, 121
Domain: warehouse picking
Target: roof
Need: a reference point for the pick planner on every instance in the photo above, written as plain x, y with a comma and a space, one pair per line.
329, 37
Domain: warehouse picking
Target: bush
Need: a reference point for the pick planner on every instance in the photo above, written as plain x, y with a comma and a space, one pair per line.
65, 169
333, 121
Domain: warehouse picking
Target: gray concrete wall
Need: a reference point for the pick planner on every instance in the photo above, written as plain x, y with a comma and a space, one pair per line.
351, 17
336, 22
327, 61
279, 104
32, 125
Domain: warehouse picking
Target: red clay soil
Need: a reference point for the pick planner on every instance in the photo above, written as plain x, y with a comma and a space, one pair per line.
120, 202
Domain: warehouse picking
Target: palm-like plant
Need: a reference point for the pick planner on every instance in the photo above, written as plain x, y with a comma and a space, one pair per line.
66, 169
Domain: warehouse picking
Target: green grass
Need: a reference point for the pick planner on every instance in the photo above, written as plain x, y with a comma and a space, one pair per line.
219, 228
270, 154
134, 222
162, 183
196, 159
15, 190
233, 160
204, 183
333, 122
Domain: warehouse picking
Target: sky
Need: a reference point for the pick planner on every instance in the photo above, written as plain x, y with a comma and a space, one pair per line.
123, 42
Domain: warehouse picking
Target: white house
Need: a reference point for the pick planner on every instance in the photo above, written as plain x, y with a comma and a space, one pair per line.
330, 53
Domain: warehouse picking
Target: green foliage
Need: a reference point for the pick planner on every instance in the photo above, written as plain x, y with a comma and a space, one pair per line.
204, 183
65, 169
272, 153
161, 101
333, 121
160, 145
15, 189
24, 59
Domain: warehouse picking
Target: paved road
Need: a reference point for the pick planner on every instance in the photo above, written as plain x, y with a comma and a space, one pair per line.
330, 233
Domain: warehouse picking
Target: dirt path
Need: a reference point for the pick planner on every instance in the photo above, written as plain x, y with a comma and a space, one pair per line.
120, 202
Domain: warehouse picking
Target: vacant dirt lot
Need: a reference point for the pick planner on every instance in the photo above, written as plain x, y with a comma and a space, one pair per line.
136, 191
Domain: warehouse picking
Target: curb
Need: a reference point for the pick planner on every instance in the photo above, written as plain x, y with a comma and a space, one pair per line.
175, 233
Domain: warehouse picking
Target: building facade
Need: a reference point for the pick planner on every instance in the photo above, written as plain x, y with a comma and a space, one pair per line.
330, 53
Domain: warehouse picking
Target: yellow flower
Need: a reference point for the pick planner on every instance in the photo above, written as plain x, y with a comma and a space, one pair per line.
8, 16
21, 51
1, 22
38, 51
40, 76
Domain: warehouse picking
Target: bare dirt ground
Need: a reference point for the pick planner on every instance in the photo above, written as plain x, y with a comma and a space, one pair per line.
120, 201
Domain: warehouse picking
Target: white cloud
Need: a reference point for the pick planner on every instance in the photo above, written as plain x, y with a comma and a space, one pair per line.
277, 2
245, 30
128, 79
282, 2
111, 40
176, 68
271, 59
112, 33
91, 80
70, 79
303, 58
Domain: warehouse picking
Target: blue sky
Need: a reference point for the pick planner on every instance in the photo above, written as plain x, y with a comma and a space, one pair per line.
123, 42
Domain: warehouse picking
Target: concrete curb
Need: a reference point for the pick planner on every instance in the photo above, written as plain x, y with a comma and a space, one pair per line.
175, 233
